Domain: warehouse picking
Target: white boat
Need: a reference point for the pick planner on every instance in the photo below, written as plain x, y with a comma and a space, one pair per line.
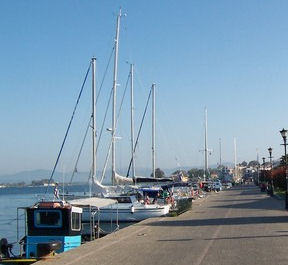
129, 209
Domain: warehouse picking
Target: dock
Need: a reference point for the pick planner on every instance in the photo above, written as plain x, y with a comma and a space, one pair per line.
237, 226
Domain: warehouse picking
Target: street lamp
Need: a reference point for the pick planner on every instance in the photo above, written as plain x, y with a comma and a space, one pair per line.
284, 136
263, 171
272, 184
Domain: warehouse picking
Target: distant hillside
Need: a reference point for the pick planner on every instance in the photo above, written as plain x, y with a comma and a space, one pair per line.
29, 176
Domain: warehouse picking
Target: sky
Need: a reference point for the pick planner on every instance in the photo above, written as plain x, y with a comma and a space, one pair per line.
228, 56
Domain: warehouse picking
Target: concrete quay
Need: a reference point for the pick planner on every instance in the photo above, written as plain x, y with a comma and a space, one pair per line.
237, 226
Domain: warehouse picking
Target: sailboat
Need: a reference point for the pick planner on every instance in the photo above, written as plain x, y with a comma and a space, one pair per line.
128, 208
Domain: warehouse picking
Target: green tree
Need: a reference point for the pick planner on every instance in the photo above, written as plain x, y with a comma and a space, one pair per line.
179, 171
194, 173
282, 160
244, 164
253, 163
159, 173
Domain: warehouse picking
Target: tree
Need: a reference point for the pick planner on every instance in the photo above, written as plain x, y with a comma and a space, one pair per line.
158, 173
282, 160
243, 164
179, 171
194, 173
253, 163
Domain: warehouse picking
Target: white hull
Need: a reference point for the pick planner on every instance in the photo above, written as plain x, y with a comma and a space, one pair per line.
127, 212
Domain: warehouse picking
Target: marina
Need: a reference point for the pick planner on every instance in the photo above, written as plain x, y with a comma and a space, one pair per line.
107, 157
207, 234
55, 226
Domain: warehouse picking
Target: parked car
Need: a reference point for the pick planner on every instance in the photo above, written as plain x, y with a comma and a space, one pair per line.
227, 185
217, 186
207, 186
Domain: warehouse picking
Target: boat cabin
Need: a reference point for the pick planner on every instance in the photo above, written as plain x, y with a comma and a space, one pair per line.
52, 226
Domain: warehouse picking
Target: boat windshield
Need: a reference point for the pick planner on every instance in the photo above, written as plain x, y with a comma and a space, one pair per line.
48, 218
123, 199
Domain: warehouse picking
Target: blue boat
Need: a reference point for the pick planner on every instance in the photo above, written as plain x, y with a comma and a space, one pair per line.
51, 227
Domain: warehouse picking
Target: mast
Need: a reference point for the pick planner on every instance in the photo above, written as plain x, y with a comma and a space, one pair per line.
205, 148
153, 131
93, 172
114, 97
132, 117
235, 157
93, 117
258, 166
220, 153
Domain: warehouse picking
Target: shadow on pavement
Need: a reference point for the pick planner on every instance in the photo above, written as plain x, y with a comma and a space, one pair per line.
220, 238
222, 221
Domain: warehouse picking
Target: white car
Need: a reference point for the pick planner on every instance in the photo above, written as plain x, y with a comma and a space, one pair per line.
217, 186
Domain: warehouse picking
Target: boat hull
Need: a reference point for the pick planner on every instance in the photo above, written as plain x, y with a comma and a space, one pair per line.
127, 214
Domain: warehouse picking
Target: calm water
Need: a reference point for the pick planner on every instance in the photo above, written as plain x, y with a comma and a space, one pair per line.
11, 198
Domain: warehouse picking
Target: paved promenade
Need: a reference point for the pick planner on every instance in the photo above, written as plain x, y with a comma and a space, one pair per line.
237, 226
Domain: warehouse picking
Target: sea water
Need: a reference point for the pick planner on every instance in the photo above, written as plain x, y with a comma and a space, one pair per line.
12, 198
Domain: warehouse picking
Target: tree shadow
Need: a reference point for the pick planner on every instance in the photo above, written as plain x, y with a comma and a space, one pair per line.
267, 203
220, 238
222, 221
236, 200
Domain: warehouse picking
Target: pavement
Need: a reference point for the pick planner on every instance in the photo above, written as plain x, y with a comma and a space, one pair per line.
236, 226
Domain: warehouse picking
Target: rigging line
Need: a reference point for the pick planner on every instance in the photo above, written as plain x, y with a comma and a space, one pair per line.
109, 101
105, 73
79, 154
122, 100
138, 134
109, 150
68, 129
100, 89
104, 119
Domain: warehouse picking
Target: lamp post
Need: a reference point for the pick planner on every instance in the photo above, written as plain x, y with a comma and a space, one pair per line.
272, 183
263, 169
284, 136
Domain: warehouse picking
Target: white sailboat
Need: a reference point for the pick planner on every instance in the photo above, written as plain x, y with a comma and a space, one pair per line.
128, 208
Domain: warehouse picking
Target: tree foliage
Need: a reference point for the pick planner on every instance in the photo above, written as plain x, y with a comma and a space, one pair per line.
159, 173
244, 164
194, 173
282, 160
253, 163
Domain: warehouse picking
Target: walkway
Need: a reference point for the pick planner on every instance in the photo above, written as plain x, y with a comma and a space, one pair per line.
237, 226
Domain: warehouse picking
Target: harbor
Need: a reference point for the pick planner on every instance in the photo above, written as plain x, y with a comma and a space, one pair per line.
236, 226
133, 132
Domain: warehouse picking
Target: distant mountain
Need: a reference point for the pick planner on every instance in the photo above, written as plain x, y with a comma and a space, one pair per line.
29, 176
39, 174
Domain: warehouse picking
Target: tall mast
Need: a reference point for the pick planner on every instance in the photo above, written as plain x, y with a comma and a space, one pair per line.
114, 97
205, 148
93, 118
220, 153
132, 117
235, 157
153, 131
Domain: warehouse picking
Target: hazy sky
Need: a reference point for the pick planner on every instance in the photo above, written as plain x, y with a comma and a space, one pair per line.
231, 56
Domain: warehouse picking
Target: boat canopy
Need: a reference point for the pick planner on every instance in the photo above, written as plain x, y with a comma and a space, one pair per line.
93, 202
151, 179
